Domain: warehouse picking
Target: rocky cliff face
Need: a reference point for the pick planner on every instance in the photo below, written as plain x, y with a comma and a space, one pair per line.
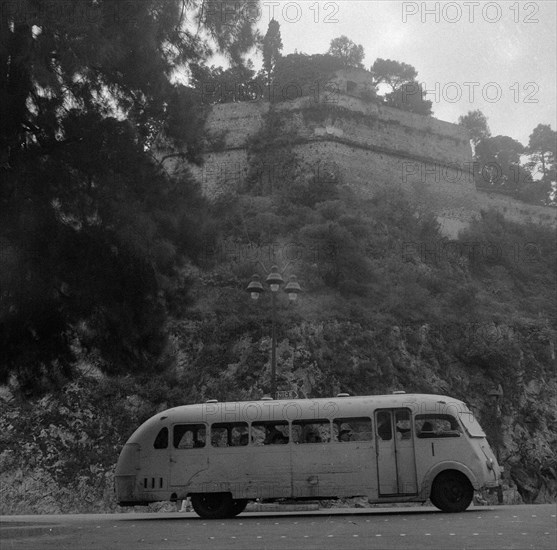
518, 414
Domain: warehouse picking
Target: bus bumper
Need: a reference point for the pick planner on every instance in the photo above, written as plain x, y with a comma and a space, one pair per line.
492, 484
124, 486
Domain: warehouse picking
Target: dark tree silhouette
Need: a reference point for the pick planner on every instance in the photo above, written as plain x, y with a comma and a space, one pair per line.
272, 46
93, 223
410, 97
350, 53
543, 146
393, 73
476, 124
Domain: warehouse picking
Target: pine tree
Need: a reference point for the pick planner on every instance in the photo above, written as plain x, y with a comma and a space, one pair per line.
93, 223
272, 47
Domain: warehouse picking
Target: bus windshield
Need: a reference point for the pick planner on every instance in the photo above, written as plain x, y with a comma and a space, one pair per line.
471, 424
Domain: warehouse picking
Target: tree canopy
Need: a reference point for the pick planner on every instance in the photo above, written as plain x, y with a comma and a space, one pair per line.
301, 74
393, 73
348, 52
542, 145
476, 124
271, 47
94, 224
504, 164
410, 97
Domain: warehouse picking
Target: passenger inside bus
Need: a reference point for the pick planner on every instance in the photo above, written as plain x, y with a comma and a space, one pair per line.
191, 439
312, 431
275, 437
384, 426
345, 435
313, 437
403, 430
427, 430
219, 438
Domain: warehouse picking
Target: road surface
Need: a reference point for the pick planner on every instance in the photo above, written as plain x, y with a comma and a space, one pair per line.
502, 527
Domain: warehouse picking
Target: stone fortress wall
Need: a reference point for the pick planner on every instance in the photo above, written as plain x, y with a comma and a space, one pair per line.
367, 147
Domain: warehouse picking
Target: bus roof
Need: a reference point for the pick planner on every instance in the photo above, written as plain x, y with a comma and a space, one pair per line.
295, 409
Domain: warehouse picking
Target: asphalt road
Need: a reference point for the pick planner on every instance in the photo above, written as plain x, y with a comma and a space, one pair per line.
501, 527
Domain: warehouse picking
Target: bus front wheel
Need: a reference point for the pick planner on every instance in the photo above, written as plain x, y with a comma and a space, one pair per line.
213, 505
451, 492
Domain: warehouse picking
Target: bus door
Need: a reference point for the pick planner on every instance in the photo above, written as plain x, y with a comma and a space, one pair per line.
396, 463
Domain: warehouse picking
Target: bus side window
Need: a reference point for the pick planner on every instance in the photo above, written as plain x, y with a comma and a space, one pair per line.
436, 425
270, 432
384, 429
311, 431
239, 435
229, 434
161, 441
352, 429
189, 436
219, 436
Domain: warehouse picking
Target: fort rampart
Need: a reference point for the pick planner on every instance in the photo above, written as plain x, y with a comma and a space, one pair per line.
365, 146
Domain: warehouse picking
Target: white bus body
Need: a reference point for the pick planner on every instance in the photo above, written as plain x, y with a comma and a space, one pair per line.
388, 448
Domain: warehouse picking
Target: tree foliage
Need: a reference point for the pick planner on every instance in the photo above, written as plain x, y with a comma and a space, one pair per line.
300, 74
393, 73
272, 47
410, 97
500, 165
94, 225
236, 84
406, 93
542, 145
476, 124
347, 51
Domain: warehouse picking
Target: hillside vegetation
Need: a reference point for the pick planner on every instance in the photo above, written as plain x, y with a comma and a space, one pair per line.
387, 304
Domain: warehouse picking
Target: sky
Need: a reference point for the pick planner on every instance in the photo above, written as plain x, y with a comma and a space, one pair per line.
499, 57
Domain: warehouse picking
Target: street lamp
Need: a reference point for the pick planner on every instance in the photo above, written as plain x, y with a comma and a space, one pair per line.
496, 395
255, 288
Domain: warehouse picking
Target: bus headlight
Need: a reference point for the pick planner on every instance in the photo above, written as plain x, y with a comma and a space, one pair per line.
489, 463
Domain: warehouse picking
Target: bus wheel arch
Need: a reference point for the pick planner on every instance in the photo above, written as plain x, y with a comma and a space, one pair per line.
451, 491
213, 505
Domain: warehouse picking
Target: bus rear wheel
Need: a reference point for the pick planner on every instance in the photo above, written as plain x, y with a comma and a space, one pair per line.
451, 492
238, 506
213, 505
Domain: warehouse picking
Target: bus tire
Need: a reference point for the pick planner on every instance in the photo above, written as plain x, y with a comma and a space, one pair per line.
451, 492
213, 505
238, 506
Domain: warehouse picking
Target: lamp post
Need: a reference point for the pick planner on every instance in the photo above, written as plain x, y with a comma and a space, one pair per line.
496, 395
292, 288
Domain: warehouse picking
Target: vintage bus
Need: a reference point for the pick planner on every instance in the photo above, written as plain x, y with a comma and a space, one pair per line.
387, 448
